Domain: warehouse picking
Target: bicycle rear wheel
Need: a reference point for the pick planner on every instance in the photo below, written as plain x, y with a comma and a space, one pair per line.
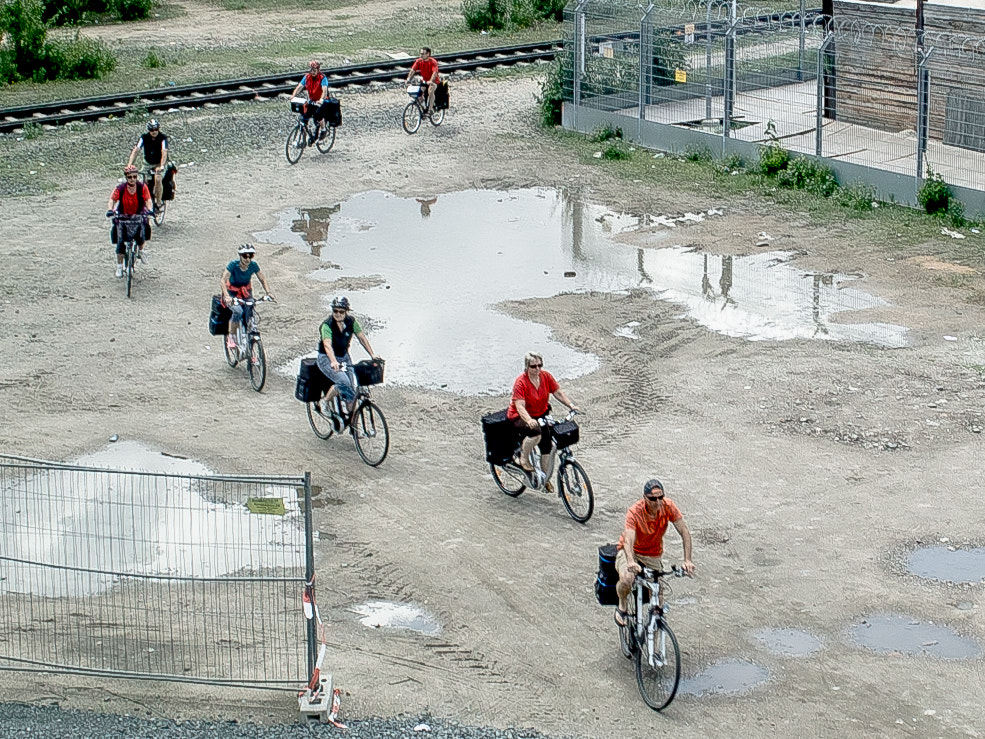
658, 665
436, 117
575, 490
369, 431
509, 478
297, 139
412, 117
325, 144
128, 266
321, 421
257, 365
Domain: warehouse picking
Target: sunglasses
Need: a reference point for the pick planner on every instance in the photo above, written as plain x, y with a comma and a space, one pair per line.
338, 311
653, 498
131, 176
248, 256
535, 366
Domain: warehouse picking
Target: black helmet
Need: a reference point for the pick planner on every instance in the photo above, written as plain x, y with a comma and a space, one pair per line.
341, 302
247, 249
153, 125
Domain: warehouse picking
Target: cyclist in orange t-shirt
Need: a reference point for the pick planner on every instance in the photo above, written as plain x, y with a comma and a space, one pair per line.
532, 392
642, 541
427, 67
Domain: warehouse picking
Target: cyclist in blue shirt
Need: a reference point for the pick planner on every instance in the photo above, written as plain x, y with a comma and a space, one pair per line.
237, 282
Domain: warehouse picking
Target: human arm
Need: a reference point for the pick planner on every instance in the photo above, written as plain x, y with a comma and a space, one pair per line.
365, 342
629, 546
133, 154
164, 157
326, 342
324, 90
224, 287
521, 408
559, 394
263, 281
685, 533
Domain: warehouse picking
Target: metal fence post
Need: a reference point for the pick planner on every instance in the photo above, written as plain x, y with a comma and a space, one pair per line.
729, 71
803, 34
819, 112
923, 108
708, 61
309, 572
579, 51
646, 60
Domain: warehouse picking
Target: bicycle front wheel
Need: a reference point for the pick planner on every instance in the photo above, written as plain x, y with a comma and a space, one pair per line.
412, 117
369, 431
257, 364
130, 258
325, 144
232, 353
436, 117
297, 139
576, 490
509, 478
658, 665
321, 421
159, 213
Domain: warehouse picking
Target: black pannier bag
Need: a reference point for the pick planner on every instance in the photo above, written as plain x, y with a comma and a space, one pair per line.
219, 317
168, 184
565, 433
608, 576
369, 372
332, 109
312, 383
501, 437
441, 99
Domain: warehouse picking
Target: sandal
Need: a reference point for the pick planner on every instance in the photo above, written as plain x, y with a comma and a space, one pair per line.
528, 468
620, 615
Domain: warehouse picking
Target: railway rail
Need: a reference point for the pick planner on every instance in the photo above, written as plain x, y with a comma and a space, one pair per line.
251, 88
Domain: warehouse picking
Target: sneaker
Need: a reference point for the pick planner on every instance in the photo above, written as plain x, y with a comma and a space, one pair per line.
119, 270
140, 256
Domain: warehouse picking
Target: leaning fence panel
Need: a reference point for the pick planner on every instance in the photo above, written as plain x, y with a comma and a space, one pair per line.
178, 577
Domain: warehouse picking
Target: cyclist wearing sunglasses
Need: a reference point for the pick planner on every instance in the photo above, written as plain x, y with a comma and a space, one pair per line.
237, 282
333, 351
129, 199
642, 541
532, 391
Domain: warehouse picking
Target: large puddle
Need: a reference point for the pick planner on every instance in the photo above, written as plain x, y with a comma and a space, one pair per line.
727, 676
900, 634
387, 614
428, 276
137, 525
948, 564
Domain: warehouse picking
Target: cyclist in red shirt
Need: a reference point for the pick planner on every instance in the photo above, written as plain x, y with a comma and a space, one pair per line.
315, 85
130, 199
530, 401
427, 67
642, 540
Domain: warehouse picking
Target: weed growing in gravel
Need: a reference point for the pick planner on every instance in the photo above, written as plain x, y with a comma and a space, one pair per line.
805, 173
32, 130
152, 60
773, 158
858, 196
616, 151
733, 163
699, 154
137, 112
606, 133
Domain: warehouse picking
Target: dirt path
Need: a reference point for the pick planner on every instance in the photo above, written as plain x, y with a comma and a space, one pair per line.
805, 468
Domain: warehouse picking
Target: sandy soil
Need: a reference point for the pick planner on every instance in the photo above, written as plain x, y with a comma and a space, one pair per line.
806, 469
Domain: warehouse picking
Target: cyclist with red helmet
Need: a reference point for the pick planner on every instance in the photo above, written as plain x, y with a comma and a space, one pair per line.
129, 198
315, 86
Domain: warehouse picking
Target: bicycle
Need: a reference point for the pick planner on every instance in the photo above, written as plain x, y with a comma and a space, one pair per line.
126, 229
651, 641
573, 486
416, 109
161, 210
248, 336
366, 423
305, 132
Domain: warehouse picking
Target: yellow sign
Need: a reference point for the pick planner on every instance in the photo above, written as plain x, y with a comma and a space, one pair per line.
266, 506
680, 75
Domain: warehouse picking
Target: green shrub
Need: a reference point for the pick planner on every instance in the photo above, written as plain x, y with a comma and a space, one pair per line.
616, 151
522, 14
152, 60
699, 154
72, 12
485, 15
80, 59
552, 89
132, 10
32, 130
606, 132
552, 10
934, 194
857, 196
733, 163
23, 28
806, 173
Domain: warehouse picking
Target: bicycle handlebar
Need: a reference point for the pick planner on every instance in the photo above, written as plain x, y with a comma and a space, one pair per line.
253, 301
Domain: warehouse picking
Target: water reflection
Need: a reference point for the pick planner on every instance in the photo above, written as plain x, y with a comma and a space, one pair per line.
438, 279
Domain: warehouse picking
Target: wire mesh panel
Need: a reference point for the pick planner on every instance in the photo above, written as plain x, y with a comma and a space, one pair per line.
183, 577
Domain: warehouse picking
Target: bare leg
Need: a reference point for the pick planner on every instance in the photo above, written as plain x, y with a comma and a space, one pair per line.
158, 189
529, 442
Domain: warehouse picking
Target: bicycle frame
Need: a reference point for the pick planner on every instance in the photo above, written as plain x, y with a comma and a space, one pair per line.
649, 580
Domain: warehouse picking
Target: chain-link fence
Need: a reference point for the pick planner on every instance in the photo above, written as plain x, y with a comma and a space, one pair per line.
152, 575
880, 101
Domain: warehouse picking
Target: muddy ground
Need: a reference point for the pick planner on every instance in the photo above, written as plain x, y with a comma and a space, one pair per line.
806, 469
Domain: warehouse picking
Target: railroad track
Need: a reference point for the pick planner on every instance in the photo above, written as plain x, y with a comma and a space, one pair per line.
252, 88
